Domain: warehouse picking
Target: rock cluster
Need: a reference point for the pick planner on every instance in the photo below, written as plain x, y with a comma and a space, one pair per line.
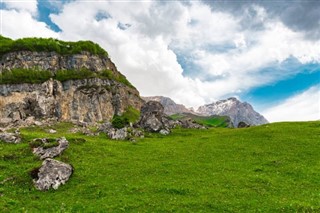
10, 137
125, 133
52, 173
52, 152
152, 117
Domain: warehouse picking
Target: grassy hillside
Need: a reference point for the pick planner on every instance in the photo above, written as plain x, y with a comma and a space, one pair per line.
209, 121
270, 168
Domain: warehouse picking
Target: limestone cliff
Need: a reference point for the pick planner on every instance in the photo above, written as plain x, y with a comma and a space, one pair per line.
90, 100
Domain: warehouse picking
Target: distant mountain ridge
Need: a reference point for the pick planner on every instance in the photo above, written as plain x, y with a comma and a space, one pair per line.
237, 111
170, 107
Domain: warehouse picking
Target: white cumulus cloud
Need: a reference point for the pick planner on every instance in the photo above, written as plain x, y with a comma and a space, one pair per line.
146, 38
301, 107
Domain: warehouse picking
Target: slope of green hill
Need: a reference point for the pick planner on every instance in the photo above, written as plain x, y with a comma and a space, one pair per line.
269, 168
209, 121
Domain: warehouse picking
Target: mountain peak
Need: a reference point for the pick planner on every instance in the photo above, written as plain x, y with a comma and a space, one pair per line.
237, 111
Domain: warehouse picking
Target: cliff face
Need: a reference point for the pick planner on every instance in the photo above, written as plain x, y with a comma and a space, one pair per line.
88, 100
52, 61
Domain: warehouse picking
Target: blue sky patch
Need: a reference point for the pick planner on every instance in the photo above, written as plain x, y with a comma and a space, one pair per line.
44, 10
266, 96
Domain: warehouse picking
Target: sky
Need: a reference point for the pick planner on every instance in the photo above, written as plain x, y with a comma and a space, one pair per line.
263, 52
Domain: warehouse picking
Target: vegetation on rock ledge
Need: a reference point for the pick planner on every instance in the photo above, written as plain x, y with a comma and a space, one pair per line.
33, 76
49, 45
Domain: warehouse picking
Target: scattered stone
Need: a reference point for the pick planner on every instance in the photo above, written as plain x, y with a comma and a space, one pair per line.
164, 132
52, 131
191, 124
38, 123
105, 127
118, 134
52, 174
10, 137
243, 125
5, 122
52, 152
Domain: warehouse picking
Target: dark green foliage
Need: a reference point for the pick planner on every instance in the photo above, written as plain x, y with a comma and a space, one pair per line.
132, 114
17, 76
108, 74
49, 45
119, 122
64, 75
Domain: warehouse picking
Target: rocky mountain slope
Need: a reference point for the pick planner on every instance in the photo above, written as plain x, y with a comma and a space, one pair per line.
236, 110
76, 84
170, 107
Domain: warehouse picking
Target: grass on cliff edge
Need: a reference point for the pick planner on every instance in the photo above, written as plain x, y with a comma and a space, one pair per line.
270, 168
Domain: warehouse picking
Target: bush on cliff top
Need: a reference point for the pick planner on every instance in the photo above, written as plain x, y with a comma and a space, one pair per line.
49, 45
34, 76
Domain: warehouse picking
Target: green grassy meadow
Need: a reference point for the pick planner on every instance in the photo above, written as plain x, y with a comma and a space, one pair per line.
270, 168
209, 121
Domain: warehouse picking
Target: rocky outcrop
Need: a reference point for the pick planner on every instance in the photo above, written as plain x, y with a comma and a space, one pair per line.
86, 100
170, 107
125, 133
52, 61
52, 152
51, 174
236, 110
152, 117
10, 137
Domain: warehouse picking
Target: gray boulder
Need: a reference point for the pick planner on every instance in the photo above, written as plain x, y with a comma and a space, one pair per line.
118, 134
243, 125
190, 124
52, 152
152, 117
10, 137
52, 174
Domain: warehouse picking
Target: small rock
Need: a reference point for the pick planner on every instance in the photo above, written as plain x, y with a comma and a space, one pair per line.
38, 123
52, 173
242, 124
105, 127
164, 132
52, 131
53, 151
118, 134
10, 137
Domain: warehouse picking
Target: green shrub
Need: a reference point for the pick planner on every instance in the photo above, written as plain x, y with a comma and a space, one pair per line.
17, 76
64, 75
49, 45
119, 122
132, 114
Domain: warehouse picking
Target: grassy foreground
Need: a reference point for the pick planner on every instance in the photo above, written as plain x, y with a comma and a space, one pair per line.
271, 168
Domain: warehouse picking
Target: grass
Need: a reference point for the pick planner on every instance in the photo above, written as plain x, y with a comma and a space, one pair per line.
270, 168
209, 121
49, 45
35, 76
